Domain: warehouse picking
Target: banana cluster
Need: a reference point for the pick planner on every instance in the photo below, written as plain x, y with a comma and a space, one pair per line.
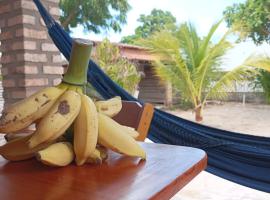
57, 112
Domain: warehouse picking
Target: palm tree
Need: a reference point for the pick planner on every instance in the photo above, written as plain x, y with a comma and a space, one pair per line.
191, 64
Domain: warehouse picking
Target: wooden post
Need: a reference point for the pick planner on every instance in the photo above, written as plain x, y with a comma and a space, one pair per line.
169, 95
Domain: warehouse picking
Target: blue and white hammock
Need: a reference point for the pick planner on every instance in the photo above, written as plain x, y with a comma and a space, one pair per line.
243, 159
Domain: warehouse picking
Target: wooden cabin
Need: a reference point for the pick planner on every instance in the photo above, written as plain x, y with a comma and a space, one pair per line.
151, 88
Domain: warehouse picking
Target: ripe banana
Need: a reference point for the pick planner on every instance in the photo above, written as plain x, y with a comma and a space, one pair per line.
131, 131
112, 136
58, 154
110, 107
58, 119
18, 149
85, 130
23, 113
97, 156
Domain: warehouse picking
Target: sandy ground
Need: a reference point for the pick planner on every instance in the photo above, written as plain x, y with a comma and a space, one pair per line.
249, 119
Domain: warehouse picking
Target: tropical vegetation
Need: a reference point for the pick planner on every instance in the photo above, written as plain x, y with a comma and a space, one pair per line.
94, 15
191, 63
252, 20
157, 20
121, 70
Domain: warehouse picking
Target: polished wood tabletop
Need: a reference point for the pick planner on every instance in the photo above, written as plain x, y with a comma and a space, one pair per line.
167, 169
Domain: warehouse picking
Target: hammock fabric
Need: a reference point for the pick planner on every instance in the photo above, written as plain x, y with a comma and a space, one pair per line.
240, 158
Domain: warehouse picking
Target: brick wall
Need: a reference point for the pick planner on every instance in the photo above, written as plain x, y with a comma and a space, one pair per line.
30, 61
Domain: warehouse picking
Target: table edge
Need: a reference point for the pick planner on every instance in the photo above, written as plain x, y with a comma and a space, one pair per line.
179, 182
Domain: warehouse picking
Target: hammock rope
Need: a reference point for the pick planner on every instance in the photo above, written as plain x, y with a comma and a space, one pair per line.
243, 159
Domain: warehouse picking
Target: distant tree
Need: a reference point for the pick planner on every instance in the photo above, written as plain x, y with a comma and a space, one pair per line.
121, 70
251, 19
191, 64
93, 15
156, 21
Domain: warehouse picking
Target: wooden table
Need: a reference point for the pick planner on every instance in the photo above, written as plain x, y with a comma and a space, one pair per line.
167, 169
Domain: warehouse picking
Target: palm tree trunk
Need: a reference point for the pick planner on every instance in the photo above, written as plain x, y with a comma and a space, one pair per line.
198, 114
198, 111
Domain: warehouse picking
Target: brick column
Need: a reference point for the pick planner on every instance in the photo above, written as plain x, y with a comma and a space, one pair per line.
30, 61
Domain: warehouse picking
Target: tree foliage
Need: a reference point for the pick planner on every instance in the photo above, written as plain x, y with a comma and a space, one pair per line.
93, 15
251, 19
157, 20
191, 64
121, 70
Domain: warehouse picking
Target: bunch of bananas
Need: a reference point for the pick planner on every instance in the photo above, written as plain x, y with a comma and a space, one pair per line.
57, 111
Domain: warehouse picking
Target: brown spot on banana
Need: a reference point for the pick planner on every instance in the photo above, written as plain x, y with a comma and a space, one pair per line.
45, 103
63, 107
14, 119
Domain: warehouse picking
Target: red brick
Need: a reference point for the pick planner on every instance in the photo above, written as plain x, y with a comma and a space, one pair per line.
21, 94
2, 23
17, 45
3, 48
29, 45
4, 71
6, 35
57, 59
57, 81
9, 83
18, 94
31, 91
31, 33
14, 20
26, 70
31, 57
4, 8
49, 47
6, 59
29, 5
53, 70
27, 19
33, 82
17, 5
55, 11
21, 19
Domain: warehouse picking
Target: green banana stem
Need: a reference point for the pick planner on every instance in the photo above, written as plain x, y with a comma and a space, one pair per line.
78, 63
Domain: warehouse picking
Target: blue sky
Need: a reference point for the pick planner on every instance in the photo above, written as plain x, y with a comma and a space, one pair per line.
202, 13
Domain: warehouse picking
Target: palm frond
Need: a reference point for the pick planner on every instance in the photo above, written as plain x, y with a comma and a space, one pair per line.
178, 79
163, 44
258, 61
206, 41
209, 62
189, 43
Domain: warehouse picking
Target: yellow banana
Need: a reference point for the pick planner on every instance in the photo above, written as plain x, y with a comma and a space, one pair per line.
112, 136
18, 149
97, 156
130, 131
85, 130
23, 113
110, 107
58, 154
58, 119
